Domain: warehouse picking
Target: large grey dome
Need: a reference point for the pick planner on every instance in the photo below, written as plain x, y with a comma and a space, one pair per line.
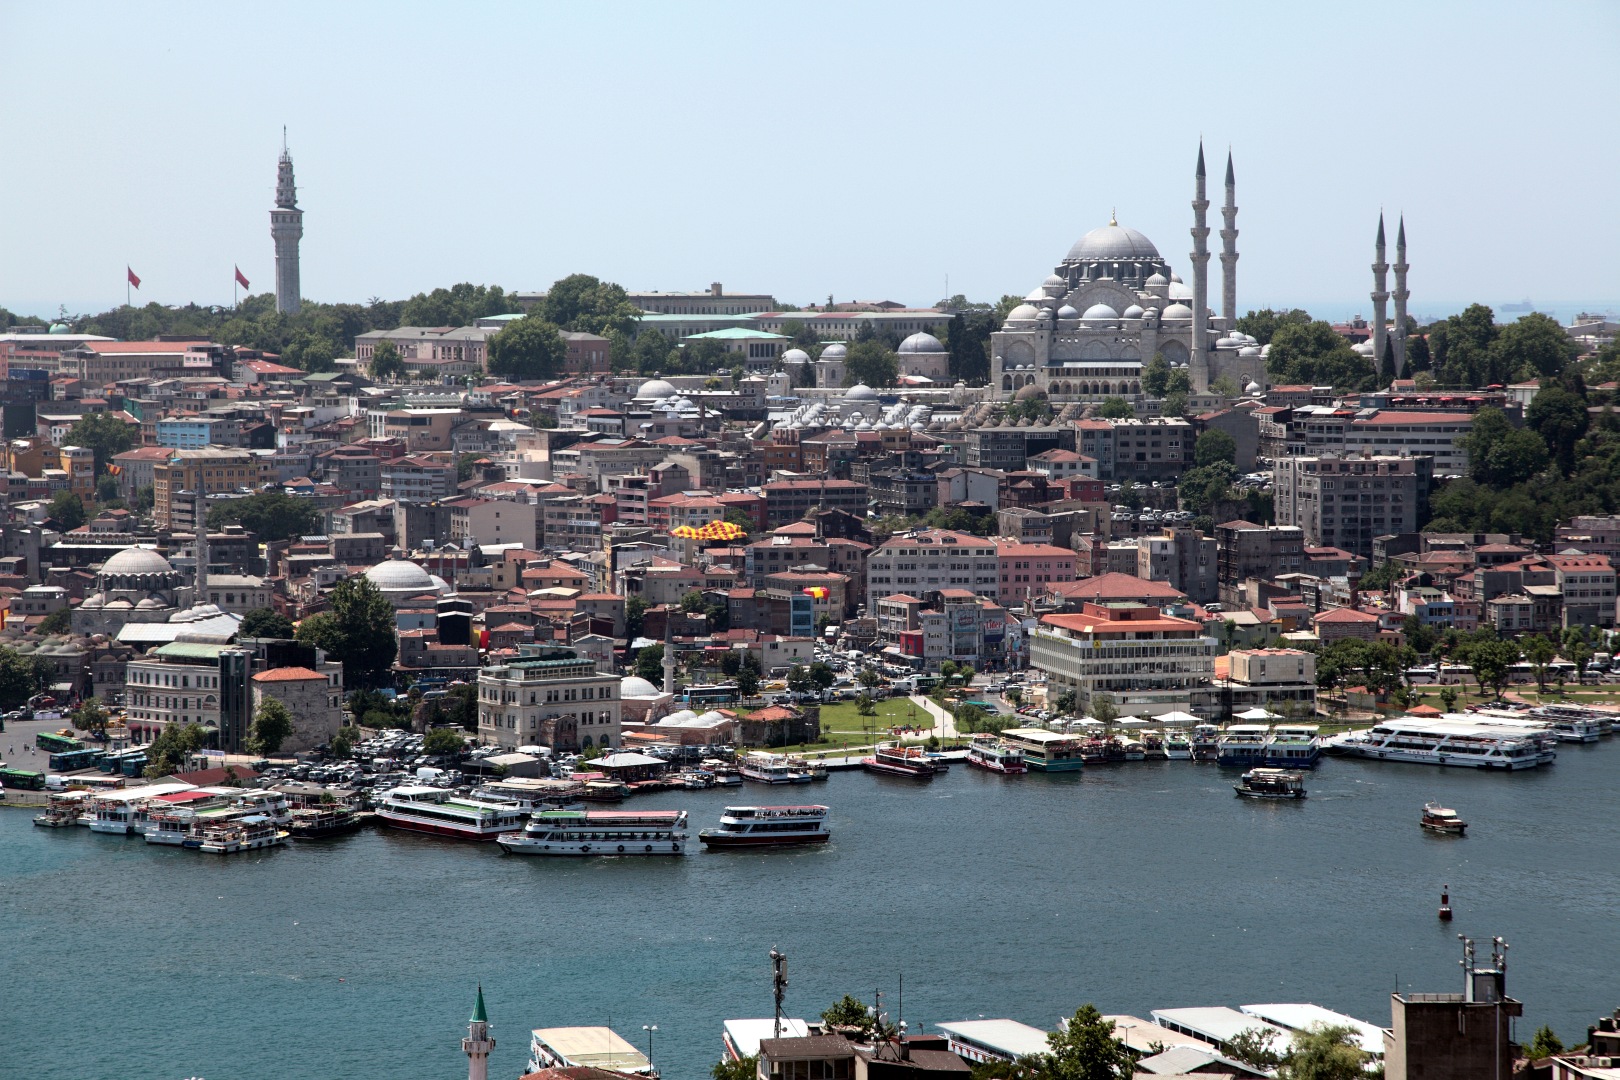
654, 389
795, 356
921, 342
835, 351
399, 574
1112, 241
137, 560
860, 392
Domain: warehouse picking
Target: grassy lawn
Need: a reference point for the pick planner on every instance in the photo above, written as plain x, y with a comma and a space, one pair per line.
843, 717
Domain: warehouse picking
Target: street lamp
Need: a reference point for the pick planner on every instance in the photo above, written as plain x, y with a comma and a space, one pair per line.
651, 1030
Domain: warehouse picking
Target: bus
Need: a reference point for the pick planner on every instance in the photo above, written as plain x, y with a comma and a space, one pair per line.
73, 760
94, 782
53, 743
716, 694
22, 779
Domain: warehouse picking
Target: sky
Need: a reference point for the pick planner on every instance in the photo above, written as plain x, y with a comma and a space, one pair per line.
863, 151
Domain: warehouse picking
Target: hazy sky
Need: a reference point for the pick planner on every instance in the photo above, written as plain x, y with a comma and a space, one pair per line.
862, 150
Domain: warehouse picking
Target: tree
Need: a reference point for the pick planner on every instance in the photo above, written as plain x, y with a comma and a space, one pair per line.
1448, 698
1103, 709
1253, 1046
270, 515
67, 510
1065, 703
1561, 419
386, 363
748, 679
866, 705
822, 677
528, 348
1155, 375
343, 742
1178, 382
744, 1068
650, 664
1323, 1052
272, 723
635, 609
1214, 445
1314, 353
103, 433
1201, 488
1533, 346
460, 305
1418, 634
1500, 455
868, 677
21, 677
1262, 325
1539, 652
265, 623
872, 363
90, 716
1545, 1044
849, 1012
1085, 1048
1461, 353
169, 752
1490, 660
583, 303
798, 679
1115, 408
444, 741
970, 718
357, 630
57, 622
1386, 366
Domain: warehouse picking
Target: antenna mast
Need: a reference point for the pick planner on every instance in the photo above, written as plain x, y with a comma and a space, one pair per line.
778, 985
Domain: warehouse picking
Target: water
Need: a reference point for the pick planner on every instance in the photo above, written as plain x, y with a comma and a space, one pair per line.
1134, 887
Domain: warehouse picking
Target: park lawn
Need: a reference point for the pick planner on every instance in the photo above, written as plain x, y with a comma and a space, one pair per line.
844, 717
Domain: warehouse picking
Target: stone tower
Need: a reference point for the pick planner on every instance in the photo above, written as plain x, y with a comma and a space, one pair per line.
1401, 293
286, 229
1380, 294
669, 649
1229, 254
1198, 364
478, 1042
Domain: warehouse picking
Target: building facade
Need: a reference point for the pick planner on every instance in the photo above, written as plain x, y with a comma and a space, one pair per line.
1147, 662
1345, 502
548, 697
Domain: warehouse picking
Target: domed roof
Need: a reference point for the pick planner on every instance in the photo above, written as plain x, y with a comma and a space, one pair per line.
1053, 280
1112, 241
860, 392
60, 328
94, 600
1036, 296
1100, 311
1023, 313
399, 575
635, 687
137, 560
1176, 311
835, 351
1228, 341
1252, 388
1249, 350
1067, 312
655, 388
1364, 348
1157, 279
1178, 291
1133, 312
795, 356
152, 603
921, 342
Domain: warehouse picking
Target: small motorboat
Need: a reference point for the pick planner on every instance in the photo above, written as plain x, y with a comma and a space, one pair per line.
1440, 819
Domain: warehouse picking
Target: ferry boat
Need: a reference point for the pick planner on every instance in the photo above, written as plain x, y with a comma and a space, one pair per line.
1244, 745
764, 826
816, 769
62, 810
1046, 751
696, 779
599, 832
1440, 819
764, 767
1206, 742
1294, 746
1444, 742
1264, 783
435, 810
725, 773
1564, 727
174, 827
1153, 747
1539, 732
898, 760
1093, 751
317, 822
113, 816
243, 834
1178, 746
1127, 748
990, 752
1601, 719
605, 791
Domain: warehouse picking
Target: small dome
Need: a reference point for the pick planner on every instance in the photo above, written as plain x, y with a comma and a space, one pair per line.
1100, 311
1178, 291
835, 351
1036, 296
921, 342
653, 389
1252, 389
119, 605
1176, 311
1029, 392
1067, 312
1175, 278
795, 356
1228, 342
1364, 348
1157, 279
59, 328
93, 602
152, 603
1023, 313
137, 560
1052, 280
633, 687
1249, 350
860, 392
1133, 312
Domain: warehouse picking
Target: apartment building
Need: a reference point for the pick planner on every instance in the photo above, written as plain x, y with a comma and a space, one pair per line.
1095, 439
417, 479
1325, 429
1008, 447
492, 521
1181, 557
931, 560
1345, 502
548, 697
1594, 534
1147, 662
1156, 449
1282, 681
1247, 550
1024, 568
1587, 585
788, 501
192, 475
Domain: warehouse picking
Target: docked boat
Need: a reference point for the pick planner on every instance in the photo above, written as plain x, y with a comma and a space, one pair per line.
599, 832
1178, 746
725, 773
1153, 747
991, 753
605, 791
115, 817
768, 826
317, 822
1094, 751
174, 827
817, 770
1441, 819
1046, 751
1244, 745
62, 810
437, 811
764, 767
1127, 748
249, 833
897, 760
1448, 742
1206, 742
696, 779
1294, 746
1264, 783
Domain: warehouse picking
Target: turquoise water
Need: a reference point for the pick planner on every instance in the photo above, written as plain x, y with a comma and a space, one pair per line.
1134, 887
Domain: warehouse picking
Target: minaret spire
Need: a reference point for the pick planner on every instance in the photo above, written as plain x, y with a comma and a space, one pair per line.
286, 229
1380, 293
1229, 252
1198, 366
669, 649
1401, 295
478, 1042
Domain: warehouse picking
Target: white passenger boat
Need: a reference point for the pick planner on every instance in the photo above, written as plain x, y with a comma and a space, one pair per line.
1564, 727
113, 816
725, 773
1271, 784
249, 833
173, 827
62, 810
1178, 746
992, 753
599, 832
1444, 742
768, 826
1244, 745
436, 811
1294, 746
763, 767
1538, 731
1206, 742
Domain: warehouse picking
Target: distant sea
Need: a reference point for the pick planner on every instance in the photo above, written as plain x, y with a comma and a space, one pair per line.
1506, 309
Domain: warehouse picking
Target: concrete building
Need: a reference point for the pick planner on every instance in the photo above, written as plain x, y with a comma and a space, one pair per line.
314, 700
1462, 1036
548, 697
1156, 449
788, 501
493, 521
1282, 681
1023, 569
1587, 585
190, 683
417, 479
1148, 662
190, 476
930, 560
1246, 550
1183, 558
1345, 502
286, 229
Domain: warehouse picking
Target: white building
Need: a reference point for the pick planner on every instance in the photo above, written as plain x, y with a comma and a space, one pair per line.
930, 560
1148, 662
548, 697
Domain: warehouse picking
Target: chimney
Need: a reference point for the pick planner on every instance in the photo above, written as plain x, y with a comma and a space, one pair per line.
715, 289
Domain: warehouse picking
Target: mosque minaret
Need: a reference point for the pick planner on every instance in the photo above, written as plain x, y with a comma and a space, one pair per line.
1401, 295
1380, 295
1200, 260
1229, 253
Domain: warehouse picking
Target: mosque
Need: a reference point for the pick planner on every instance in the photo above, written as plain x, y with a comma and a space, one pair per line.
1114, 303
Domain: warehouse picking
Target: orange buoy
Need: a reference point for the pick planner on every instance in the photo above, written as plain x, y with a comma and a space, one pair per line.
1445, 903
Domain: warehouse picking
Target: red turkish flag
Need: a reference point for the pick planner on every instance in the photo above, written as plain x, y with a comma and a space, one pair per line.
133, 280
240, 280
